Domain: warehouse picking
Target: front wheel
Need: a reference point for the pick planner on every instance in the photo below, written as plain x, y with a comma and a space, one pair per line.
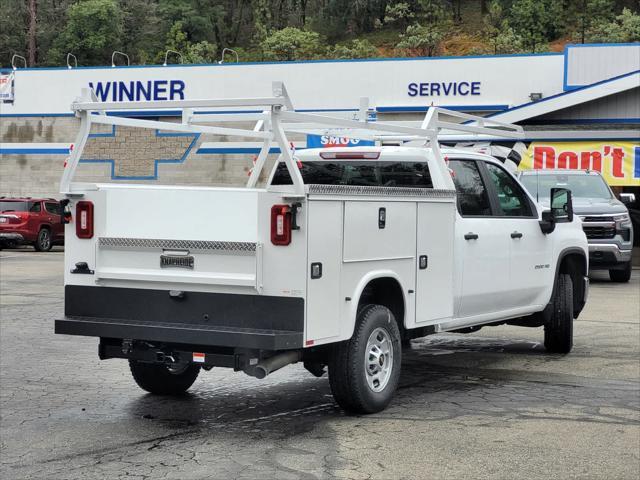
621, 276
162, 379
364, 371
43, 241
558, 330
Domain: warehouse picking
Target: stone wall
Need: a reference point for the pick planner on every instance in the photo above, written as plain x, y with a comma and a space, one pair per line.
120, 154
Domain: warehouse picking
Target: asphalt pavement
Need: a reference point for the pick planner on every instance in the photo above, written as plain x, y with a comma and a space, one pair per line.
488, 405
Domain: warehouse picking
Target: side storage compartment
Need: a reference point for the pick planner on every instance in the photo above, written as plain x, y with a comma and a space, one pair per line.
324, 270
434, 274
379, 231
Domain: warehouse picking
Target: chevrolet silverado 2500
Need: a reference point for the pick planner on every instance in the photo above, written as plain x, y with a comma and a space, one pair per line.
344, 256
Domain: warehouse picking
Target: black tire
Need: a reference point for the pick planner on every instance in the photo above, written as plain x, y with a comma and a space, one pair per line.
558, 330
621, 276
43, 240
158, 379
348, 376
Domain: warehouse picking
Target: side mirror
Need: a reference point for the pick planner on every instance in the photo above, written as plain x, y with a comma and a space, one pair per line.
547, 224
561, 205
627, 198
561, 210
65, 211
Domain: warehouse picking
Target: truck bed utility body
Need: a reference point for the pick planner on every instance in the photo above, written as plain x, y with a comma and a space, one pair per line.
343, 256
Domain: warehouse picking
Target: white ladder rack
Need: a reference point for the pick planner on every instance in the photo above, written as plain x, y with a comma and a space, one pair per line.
272, 124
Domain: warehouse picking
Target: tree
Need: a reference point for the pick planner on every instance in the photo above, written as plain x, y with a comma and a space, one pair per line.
292, 44
536, 21
92, 32
623, 29
355, 49
592, 12
502, 37
422, 40
13, 29
399, 13
32, 40
198, 52
142, 33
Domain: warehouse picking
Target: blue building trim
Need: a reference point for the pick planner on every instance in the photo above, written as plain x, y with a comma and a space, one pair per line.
293, 62
104, 134
233, 151
586, 121
458, 108
156, 163
562, 94
173, 113
32, 151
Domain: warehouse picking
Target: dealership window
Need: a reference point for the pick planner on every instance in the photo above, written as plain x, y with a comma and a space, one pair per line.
473, 200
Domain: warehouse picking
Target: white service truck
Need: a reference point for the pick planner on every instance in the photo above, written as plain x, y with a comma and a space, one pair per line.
344, 256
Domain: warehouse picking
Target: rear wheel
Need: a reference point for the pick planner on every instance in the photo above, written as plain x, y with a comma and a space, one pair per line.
364, 371
162, 379
621, 276
558, 330
43, 241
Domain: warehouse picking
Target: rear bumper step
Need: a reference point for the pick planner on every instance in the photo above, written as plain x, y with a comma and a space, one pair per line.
171, 316
180, 333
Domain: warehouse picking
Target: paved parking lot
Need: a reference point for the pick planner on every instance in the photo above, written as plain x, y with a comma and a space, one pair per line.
487, 405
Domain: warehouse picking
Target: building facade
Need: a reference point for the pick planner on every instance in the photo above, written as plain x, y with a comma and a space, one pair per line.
579, 109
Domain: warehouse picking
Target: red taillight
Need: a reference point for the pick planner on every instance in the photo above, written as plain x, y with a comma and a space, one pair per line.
350, 155
281, 224
84, 219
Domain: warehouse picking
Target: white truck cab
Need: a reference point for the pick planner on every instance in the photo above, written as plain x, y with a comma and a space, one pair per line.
343, 257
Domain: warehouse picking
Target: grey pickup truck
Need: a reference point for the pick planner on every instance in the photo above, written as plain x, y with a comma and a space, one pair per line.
605, 219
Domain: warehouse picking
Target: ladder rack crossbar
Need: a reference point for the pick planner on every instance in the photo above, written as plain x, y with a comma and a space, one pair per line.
179, 127
178, 104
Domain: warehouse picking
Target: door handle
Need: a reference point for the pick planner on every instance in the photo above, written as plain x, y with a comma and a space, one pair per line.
516, 235
471, 236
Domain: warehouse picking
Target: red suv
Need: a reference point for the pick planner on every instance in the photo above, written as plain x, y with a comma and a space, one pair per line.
34, 221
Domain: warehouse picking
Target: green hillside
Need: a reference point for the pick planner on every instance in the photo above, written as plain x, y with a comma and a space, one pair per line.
45, 31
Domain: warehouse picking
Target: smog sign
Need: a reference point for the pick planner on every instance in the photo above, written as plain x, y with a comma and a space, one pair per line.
326, 141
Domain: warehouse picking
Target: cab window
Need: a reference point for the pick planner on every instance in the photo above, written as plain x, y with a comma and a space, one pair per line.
511, 197
361, 173
473, 200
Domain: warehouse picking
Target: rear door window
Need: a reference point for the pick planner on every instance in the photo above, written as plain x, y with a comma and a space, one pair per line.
473, 200
52, 207
362, 173
35, 208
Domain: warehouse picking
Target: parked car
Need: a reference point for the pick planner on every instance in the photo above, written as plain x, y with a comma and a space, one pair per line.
605, 219
31, 221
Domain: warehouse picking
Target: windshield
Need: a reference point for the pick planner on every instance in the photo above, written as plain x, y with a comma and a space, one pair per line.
581, 186
362, 173
13, 206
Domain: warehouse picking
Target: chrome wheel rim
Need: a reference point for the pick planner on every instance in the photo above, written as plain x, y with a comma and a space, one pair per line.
45, 240
378, 362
